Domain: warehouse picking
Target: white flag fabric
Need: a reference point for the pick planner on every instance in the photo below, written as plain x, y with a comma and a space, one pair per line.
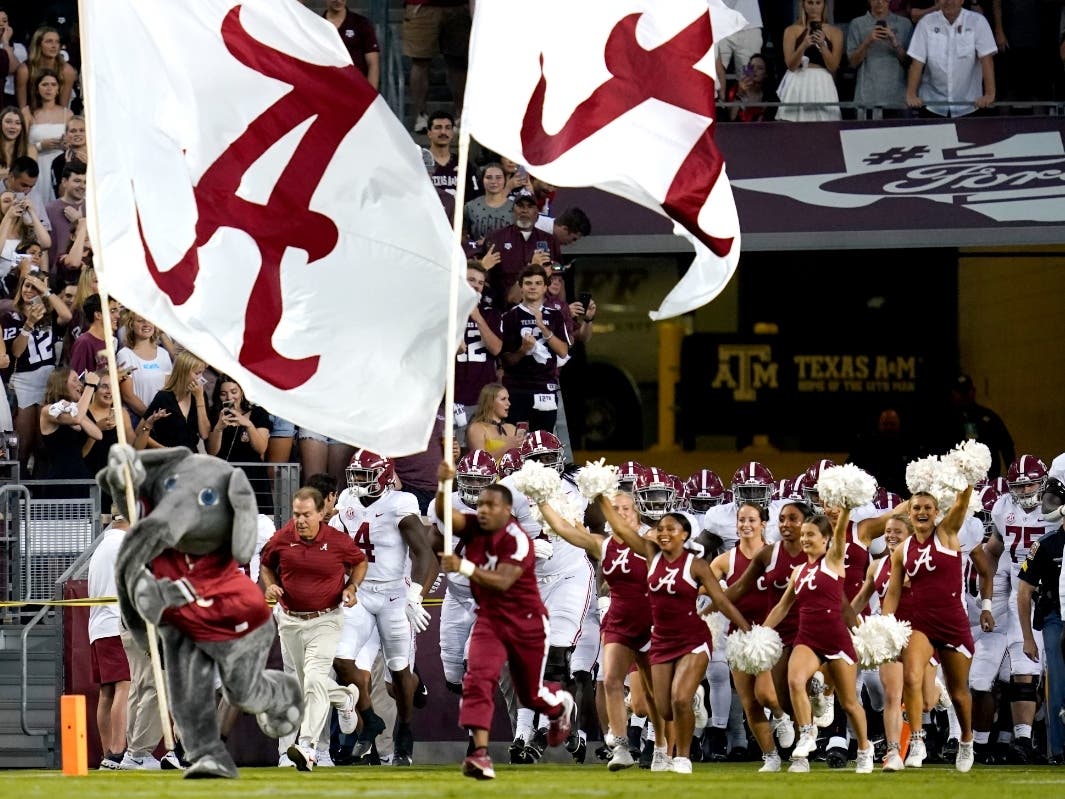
616, 94
255, 198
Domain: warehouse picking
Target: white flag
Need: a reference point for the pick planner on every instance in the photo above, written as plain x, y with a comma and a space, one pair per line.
616, 94
255, 198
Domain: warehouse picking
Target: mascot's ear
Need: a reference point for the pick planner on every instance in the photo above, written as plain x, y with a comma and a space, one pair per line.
245, 513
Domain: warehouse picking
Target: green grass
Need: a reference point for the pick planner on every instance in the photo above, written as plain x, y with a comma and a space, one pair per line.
734, 781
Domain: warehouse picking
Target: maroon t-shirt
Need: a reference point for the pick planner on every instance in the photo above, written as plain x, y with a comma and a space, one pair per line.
359, 37
476, 367
529, 374
515, 254
313, 573
520, 603
228, 605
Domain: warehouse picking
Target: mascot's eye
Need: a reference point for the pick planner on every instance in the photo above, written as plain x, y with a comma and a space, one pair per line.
169, 483
208, 497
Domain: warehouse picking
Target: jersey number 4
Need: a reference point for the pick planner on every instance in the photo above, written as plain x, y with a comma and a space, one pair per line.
362, 540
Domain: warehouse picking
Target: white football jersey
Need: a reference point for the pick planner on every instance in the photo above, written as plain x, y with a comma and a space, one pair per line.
1019, 528
1057, 468
453, 578
566, 558
1000, 598
375, 530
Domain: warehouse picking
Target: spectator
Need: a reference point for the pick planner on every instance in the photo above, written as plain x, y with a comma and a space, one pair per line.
18, 188
65, 423
876, 47
885, 452
476, 364
180, 415
45, 53
16, 54
1025, 31
431, 27
147, 362
75, 150
87, 286
573, 389
445, 173
739, 48
310, 570
240, 433
29, 333
488, 428
359, 37
110, 669
812, 52
64, 212
535, 344
572, 225
47, 123
320, 453
517, 176
107, 416
491, 211
14, 138
751, 91
326, 485
952, 72
88, 349
970, 420
518, 246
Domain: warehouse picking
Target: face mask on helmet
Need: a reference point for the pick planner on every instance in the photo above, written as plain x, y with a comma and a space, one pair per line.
655, 502
1053, 496
1026, 493
759, 495
364, 482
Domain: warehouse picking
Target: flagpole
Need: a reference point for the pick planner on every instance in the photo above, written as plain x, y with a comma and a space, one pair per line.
458, 268
93, 220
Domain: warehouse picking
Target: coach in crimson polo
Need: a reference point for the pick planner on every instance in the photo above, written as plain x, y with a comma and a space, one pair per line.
311, 569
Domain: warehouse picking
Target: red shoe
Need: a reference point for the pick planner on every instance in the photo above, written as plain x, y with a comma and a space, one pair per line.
478, 765
559, 730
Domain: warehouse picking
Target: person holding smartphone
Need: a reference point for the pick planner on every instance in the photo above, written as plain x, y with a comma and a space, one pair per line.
753, 89
240, 433
177, 417
489, 430
876, 46
812, 52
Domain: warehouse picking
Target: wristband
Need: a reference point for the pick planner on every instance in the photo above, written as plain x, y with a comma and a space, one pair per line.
466, 568
985, 604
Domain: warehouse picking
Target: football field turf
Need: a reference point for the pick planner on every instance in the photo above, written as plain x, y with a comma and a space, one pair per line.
545, 782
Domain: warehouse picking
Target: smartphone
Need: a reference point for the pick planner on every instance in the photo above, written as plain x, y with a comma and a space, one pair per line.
202, 381
523, 427
815, 25
584, 297
81, 377
881, 23
748, 71
543, 246
227, 405
521, 173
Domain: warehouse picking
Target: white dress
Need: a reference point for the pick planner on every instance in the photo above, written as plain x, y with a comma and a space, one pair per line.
43, 193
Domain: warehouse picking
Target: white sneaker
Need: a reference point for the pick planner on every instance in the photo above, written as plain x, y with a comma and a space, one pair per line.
702, 718
323, 759
799, 765
110, 764
865, 761
807, 744
621, 757
784, 729
771, 762
661, 761
146, 762
348, 716
285, 761
823, 709
680, 765
421, 123
171, 762
893, 761
915, 757
303, 758
965, 758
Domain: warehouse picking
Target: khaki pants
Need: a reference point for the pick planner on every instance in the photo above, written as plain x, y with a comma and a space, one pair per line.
311, 645
144, 728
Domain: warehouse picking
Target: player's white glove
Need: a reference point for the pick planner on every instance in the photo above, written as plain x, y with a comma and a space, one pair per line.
603, 604
416, 614
543, 548
436, 583
694, 546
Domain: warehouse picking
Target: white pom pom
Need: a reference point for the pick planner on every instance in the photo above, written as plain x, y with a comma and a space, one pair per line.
972, 459
755, 651
569, 507
718, 624
538, 482
880, 639
845, 486
921, 474
597, 477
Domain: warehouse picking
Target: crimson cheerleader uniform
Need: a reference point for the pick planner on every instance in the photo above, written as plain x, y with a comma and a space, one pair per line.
819, 595
751, 605
628, 619
777, 577
678, 630
935, 587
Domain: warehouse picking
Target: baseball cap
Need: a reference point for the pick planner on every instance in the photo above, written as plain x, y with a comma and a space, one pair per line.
524, 197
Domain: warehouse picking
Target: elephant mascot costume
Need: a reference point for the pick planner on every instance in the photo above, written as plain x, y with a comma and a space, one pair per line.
178, 569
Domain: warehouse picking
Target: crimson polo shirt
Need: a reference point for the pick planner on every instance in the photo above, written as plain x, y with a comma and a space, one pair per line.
313, 573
